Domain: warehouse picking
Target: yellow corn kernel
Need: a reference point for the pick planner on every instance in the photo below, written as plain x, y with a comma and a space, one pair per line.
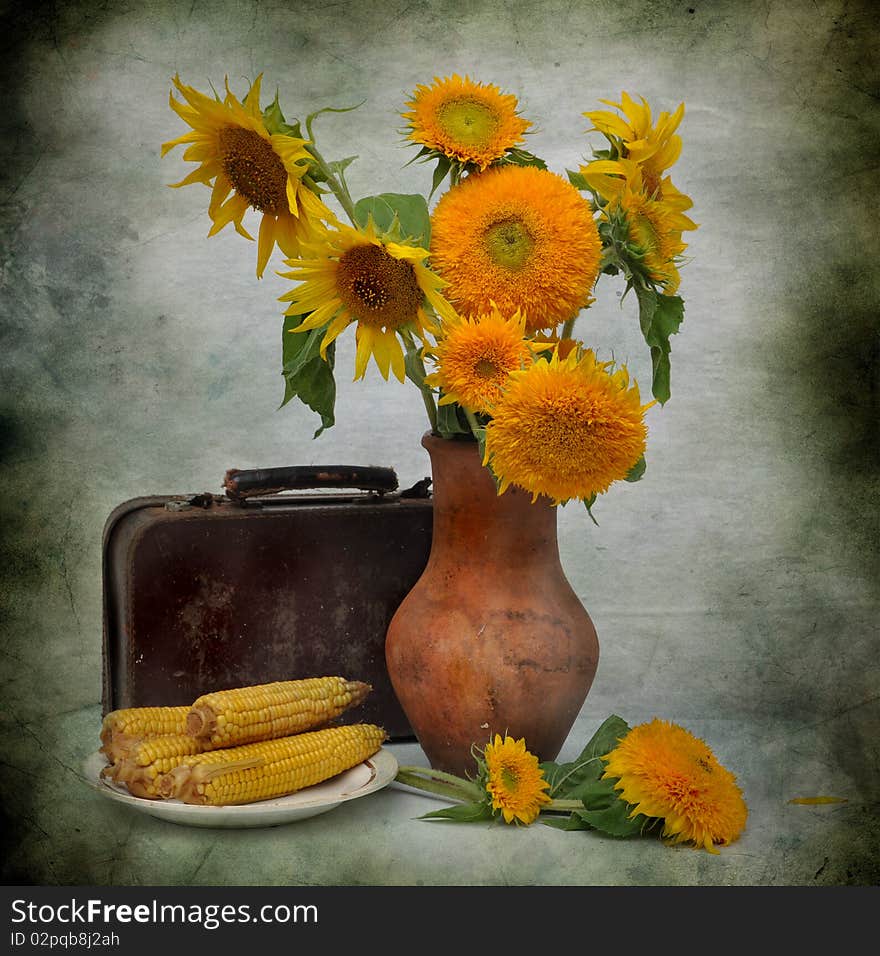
148, 759
122, 729
229, 718
270, 768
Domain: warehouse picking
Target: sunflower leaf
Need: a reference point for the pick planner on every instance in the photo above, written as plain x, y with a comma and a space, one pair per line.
461, 812
307, 376
571, 822
637, 470
449, 421
409, 211
441, 171
660, 316
275, 122
577, 179
522, 157
615, 820
587, 767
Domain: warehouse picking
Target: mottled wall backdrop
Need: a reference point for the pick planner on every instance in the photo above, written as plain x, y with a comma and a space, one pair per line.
734, 588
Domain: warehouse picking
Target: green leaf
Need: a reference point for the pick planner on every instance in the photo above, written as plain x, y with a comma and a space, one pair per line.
461, 813
610, 814
572, 822
522, 157
408, 212
450, 422
577, 180
307, 376
275, 122
588, 504
660, 316
587, 767
637, 470
441, 171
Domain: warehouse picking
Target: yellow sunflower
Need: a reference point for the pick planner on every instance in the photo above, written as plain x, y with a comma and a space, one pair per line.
262, 171
665, 771
465, 121
474, 356
356, 276
654, 147
655, 220
566, 428
520, 237
514, 780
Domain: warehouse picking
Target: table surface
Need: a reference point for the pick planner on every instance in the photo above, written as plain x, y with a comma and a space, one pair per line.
75, 835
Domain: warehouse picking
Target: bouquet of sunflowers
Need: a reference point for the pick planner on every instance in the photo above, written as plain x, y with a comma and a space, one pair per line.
472, 290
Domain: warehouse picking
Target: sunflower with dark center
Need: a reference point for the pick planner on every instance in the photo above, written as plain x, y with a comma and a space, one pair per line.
248, 169
467, 122
356, 277
521, 238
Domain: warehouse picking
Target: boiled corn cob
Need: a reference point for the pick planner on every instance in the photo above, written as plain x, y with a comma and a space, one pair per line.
121, 729
229, 718
270, 768
146, 760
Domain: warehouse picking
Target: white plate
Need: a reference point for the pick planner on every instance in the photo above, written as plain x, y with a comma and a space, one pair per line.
366, 777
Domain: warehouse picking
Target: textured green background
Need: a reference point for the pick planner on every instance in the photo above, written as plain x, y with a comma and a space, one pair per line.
734, 589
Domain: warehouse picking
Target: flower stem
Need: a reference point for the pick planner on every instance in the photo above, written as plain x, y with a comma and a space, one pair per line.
437, 781
415, 372
568, 328
563, 806
472, 421
337, 186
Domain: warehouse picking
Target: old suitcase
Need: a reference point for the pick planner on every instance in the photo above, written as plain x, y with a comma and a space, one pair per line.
204, 591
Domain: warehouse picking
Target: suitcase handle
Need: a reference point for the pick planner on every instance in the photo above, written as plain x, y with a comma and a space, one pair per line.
240, 484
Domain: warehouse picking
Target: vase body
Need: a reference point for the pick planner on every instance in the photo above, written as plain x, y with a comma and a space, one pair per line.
492, 638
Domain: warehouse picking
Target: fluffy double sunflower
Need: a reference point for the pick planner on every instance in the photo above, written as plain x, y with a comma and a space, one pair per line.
566, 428
472, 124
475, 355
248, 168
519, 237
665, 772
514, 780
357, 277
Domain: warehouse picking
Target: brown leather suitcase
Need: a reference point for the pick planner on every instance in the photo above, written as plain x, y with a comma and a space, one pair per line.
203, 592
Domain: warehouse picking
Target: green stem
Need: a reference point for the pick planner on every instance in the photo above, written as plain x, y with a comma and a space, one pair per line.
472, 421
568, 328
337, 186
563, 806
418, 379
437, 781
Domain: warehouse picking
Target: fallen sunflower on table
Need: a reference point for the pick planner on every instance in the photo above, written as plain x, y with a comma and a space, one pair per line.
656, 777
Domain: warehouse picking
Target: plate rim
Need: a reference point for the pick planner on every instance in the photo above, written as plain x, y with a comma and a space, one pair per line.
383, 767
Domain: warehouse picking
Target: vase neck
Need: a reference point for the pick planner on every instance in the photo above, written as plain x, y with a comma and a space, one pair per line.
506, 530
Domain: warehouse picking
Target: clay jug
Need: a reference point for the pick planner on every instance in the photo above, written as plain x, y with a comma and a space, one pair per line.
492, 638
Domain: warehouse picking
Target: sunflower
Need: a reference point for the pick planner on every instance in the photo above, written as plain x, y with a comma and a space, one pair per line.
566, 428
467, 122
520, 237
654, 148
514, 780
474, 356
356, 276
654, 221
263, 171
666, 772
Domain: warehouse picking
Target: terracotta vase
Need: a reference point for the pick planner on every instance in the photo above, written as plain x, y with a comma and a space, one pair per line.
492, 638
